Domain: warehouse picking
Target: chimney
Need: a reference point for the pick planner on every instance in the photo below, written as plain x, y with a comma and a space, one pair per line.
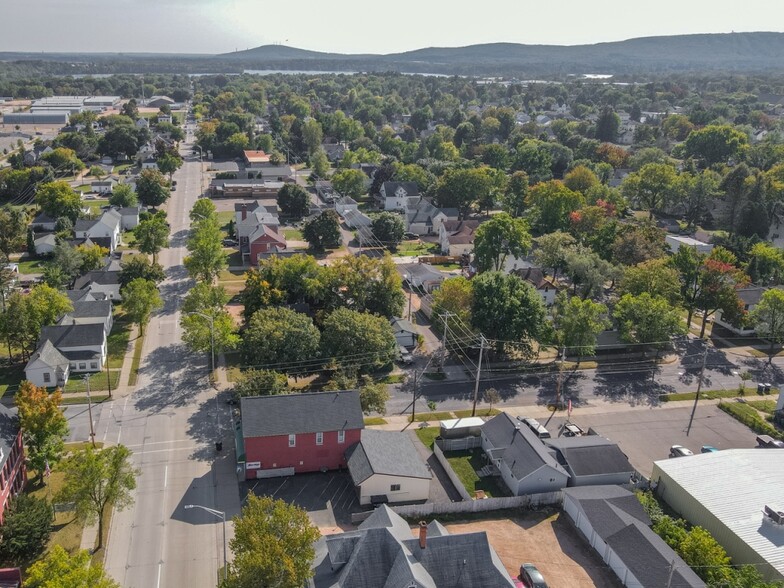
422, 534
244, 211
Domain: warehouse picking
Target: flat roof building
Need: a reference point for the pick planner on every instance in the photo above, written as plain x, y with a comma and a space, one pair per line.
736, 495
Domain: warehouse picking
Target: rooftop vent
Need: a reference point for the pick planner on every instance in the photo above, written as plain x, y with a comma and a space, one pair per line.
774, 516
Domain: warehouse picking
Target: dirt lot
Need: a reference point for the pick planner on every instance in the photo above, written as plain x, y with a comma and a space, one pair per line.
550, 542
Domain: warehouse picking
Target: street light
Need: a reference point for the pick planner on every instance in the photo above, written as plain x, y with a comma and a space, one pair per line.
212, 339
222, 515
201, 169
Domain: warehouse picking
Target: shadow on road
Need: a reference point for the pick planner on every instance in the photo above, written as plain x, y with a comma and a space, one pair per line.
175, 377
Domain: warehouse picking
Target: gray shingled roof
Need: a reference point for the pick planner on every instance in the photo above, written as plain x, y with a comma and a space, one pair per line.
314, 412
9, 428
383, 553
63, 336
591, 455
385, 452
91, 308
48, 353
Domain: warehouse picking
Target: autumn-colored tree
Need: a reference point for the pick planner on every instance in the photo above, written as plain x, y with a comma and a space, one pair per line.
44, 426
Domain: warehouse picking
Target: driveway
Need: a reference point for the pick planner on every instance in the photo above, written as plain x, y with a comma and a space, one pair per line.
329, 498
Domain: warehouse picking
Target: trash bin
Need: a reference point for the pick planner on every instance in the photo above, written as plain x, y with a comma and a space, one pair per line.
218, 445
767, 388
760, 388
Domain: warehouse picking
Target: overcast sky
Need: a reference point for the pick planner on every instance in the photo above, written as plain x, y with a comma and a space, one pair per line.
360, 26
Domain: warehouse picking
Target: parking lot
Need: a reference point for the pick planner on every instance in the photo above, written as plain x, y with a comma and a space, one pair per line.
328, 497
550, 542
646, 436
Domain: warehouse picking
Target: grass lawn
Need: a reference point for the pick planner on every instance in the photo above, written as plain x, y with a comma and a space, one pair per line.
233, 362
712, 394
480, 412
446, 267
427, 435
31, 266
67, 529
95, 206
369, 421
410, 248
293, 234
465, 464
98, 383
749, 416
423, 417
10, 376
766, 406
234, 257
117, 343
84, 188
137, 359
231, 276
435, 375
393, 379
128, 238
224, 219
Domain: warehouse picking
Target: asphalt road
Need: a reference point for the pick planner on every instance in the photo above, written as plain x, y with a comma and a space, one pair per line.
171, 422
631, 382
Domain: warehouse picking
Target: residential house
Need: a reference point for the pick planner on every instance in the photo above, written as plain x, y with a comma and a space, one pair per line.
45, 244
13, 472
383, 552
422, 276
105, 230
102, 284
386, 467
616, 526
677, 241
544, 286
88, 313
294, 433
248, 216
43, 222
356, 219
750, 297
165, 118
346, 204
334, 151
265, 239
424, 218
83, 296
325, 191
255, 159
526, 465
395, 195
47, 367
84, 345
405, 333
103, 186
149, 162
457, 237
129, 217
592, 460
142, 123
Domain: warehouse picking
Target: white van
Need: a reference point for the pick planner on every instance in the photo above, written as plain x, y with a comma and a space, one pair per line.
537, 428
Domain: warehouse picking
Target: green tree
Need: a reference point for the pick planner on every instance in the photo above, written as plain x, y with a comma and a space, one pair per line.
168, 163
607, 125
716, 144
64, 265
99, 479
281, 337
389, 228
647, 319
766, 264
312, 135
207, 258
636, 243
768, 318
140, 299
551, 250
319, 163
60, 570
464, 188
551, 203
293, 200
254, 382
13, 230
650, 187
588, 272
581, 179
717, 289
497, 239
349, 182
26, 528
93, 257
656, 277
535, 159
697, 193
687, 262
577, 323
203, 210
58, 199
358, 340
272, 545
362, 283
199, 334
514, 197
44, 426
119, 140
754, 217
373, 396
152, 188
455, 297
735, 187
140, 266
152, 235
323, 232
702, 552
123, 195
508, 310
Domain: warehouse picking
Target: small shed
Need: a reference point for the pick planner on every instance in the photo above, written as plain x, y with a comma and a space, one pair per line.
458, 428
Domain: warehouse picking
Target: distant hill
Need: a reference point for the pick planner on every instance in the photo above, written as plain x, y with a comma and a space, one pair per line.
747, 52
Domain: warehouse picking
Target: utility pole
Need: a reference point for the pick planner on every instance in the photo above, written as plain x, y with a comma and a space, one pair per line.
699, 386
559, 383
90, 409
108, 379
413, 403
478, 373
410, 291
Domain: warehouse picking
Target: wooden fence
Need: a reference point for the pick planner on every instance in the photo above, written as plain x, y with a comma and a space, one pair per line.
450, 472
504, 502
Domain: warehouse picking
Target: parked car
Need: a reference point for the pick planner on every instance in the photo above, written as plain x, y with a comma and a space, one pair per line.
229, 243
768, 442
572, 430
410, 236
708, 449
531, 577
680, 451
536, 427
405, 355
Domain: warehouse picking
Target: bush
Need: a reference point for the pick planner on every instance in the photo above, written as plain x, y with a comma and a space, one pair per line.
26, 529
751, 418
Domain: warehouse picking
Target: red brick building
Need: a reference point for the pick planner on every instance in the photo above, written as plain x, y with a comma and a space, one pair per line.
13, 473
265, 239
294, 433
